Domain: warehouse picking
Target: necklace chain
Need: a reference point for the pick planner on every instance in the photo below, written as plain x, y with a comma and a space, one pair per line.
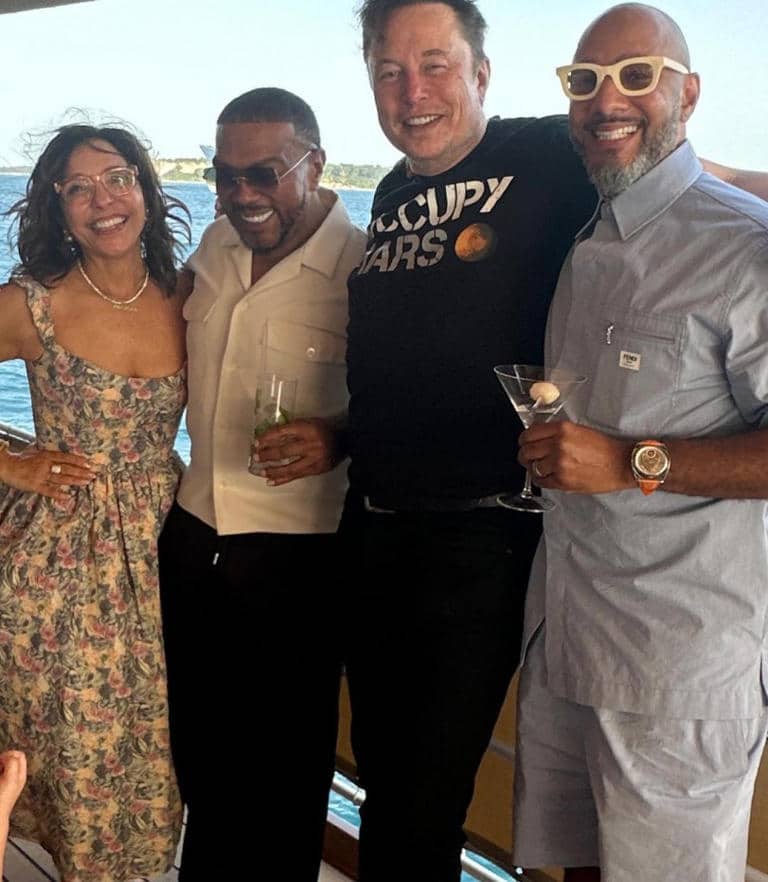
117, 304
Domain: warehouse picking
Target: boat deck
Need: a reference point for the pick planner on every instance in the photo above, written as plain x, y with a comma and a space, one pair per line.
28, 862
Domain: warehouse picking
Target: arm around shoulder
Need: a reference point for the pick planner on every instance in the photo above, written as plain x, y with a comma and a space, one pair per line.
754, 182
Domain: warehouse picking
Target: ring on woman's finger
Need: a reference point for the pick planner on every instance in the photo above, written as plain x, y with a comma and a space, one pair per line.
535, 469
56, 469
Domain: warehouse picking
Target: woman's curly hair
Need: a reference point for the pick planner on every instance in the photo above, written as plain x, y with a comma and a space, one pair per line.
47, 253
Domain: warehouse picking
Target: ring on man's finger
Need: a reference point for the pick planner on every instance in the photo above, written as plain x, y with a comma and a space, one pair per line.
535, 469
56, 469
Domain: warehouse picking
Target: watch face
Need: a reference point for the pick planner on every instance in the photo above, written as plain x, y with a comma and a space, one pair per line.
651, 461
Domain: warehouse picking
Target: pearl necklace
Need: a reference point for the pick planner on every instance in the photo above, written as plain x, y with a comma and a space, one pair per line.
117, 304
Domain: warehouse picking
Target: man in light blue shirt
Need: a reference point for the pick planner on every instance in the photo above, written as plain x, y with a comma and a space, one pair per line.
643, 692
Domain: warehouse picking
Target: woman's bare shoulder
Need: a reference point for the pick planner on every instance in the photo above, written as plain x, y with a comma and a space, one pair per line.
13, 296
18, 336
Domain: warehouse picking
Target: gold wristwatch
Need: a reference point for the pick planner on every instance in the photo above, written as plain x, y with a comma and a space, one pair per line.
650, 463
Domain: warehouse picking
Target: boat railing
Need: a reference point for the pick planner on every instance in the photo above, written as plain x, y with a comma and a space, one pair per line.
18, 438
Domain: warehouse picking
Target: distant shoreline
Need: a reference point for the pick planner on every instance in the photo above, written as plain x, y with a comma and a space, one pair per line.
331, 185
338, 176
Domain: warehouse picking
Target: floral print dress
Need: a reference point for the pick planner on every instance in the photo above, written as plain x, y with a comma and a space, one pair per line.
82, 670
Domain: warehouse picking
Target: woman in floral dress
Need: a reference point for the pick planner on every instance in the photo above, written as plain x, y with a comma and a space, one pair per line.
94, 312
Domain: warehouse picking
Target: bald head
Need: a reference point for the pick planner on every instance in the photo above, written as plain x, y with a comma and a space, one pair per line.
622, 135
660, 33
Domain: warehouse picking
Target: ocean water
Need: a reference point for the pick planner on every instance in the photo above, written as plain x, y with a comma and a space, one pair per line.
15, 407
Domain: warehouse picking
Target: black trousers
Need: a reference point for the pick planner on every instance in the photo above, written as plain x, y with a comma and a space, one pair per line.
253, 653
436, 618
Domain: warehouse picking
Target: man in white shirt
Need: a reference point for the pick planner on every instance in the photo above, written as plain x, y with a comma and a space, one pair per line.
245, 559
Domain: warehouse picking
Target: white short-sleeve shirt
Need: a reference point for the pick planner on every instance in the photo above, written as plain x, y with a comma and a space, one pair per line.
291, 321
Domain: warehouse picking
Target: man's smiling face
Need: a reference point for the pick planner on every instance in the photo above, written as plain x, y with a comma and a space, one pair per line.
429, 89
621, 137
266, 217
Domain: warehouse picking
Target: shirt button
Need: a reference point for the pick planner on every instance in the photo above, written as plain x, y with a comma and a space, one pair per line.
311, 352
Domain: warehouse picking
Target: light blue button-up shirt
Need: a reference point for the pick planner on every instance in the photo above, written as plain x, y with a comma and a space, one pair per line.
659, 604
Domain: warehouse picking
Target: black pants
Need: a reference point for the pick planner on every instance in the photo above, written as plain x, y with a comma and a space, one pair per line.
253, 668
436, 619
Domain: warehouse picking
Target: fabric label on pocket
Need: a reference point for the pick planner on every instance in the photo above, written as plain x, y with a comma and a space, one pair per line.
630, 361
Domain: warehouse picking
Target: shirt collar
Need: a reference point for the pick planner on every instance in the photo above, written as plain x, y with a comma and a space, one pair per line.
320, 252
653, 193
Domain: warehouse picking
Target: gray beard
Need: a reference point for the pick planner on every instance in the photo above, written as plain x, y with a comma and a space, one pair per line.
610, 180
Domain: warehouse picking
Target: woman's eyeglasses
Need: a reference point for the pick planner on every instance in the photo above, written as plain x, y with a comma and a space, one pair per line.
262, 177
80, 188
632, 77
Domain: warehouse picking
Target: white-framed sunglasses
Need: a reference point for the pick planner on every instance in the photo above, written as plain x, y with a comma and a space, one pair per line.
633, 77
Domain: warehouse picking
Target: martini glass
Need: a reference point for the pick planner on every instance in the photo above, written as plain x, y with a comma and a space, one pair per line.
537, 395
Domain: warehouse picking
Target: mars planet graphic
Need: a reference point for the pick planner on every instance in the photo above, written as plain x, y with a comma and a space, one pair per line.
475, 242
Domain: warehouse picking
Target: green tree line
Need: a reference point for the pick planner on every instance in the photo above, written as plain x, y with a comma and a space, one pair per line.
339, 175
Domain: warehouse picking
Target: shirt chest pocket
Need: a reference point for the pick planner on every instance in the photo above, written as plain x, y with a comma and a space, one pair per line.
316, 357
636, 373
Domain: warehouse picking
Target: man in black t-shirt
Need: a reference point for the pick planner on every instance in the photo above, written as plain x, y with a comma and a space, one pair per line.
468, 235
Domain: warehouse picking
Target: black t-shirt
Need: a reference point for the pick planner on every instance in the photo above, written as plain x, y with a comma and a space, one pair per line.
458, 275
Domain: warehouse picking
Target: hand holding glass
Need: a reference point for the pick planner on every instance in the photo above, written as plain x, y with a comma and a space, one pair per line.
537, 395
275, 406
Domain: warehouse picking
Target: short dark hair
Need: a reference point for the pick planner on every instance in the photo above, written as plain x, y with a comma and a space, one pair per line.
270, 104
374, 14
46, 252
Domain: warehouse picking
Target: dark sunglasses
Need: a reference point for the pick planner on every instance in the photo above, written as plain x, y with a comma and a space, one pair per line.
262, 177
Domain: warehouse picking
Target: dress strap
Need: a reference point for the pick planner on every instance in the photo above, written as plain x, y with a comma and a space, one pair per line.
39, 303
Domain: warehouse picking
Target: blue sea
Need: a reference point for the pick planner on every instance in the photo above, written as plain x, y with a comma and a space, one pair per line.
15, 406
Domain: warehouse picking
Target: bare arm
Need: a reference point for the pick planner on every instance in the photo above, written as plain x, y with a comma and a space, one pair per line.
13, 774
752, 181
33, 470
582, 460
18, 337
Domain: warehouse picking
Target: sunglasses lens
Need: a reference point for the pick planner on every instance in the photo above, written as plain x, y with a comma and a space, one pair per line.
581, 81
637, 76
260, 176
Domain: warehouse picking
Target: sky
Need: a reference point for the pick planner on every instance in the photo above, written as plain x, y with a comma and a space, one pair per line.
169, 66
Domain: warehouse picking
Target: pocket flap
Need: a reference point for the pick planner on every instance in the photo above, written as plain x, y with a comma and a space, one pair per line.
306, 342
